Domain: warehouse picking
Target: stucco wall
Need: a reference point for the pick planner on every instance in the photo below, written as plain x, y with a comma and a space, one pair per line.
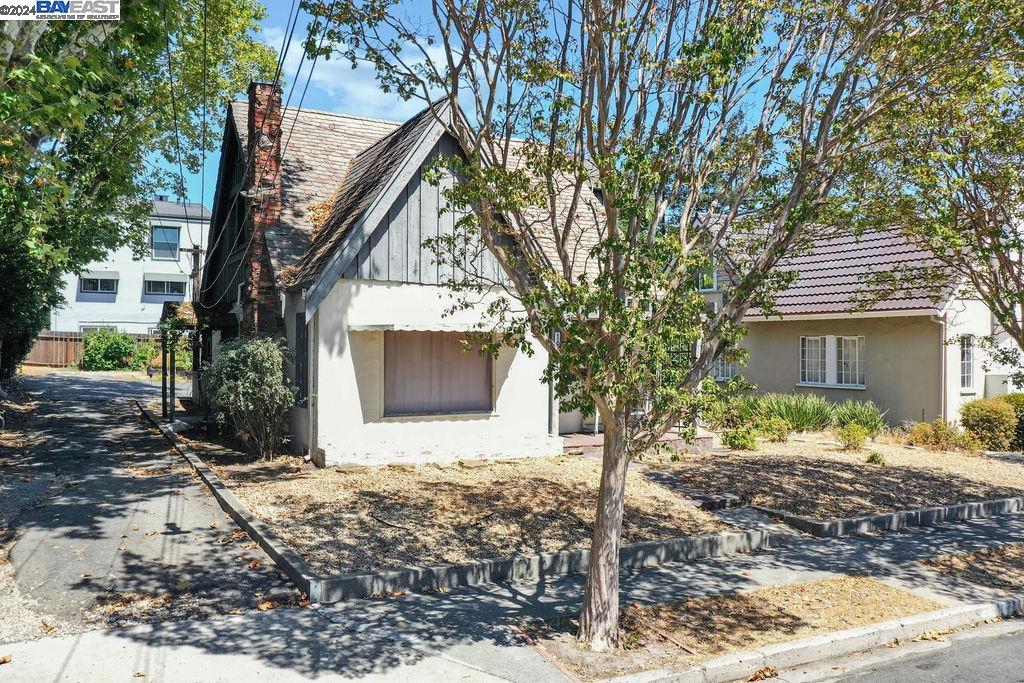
901, 373
347, 404
964, 316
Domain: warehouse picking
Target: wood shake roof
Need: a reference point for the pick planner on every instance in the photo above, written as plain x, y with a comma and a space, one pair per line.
319, 150
837, 275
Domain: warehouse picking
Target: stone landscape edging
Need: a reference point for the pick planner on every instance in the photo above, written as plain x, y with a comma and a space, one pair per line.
780, 656
327, 589
893, 521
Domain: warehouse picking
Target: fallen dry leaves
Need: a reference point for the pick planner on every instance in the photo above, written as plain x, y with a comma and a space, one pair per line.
1000, 567
765, 673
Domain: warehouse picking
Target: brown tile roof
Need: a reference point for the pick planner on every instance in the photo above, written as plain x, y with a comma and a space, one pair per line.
316, 149
836, 275
365, 179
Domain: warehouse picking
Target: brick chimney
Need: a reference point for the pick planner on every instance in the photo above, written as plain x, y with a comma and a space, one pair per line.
260, 316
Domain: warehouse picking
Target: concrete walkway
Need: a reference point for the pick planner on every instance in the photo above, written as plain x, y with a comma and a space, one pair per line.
464, 634
104, 513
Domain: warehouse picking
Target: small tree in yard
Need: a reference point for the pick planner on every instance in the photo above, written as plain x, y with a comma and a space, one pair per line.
616, 150
247, 387
957, 185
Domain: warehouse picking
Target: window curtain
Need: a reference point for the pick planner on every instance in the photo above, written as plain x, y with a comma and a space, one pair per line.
427, 373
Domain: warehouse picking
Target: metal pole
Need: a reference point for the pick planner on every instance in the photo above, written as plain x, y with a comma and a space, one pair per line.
174, 396
163, 373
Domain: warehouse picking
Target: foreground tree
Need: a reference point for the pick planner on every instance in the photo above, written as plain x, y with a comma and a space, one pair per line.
83, 105
615, 150
952, 176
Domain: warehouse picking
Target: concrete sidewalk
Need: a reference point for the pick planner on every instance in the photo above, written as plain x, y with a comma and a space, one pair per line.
464, 634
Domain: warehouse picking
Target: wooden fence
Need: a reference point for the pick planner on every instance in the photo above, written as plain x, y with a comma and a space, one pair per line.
63, 349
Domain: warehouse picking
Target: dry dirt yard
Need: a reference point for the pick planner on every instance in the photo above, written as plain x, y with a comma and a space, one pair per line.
389, 517
1000, 567
699, 629
825, 482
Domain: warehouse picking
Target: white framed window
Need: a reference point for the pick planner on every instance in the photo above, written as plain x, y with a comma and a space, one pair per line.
967, 362
832, 360
100, 285
850, 361
724, 369
429, 373
163, 241
707, 278
88, 329
165, 287
812, 360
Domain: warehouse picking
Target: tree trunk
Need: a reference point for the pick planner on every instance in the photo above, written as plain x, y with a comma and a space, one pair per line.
599, 619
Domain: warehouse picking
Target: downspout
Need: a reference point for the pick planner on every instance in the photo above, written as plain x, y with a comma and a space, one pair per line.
943, 389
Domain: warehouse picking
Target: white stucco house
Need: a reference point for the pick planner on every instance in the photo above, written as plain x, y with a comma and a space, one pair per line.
320, 240
127, 294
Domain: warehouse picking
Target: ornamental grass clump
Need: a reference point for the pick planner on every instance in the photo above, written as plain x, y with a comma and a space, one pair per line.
247, 387
864, 413
806, 412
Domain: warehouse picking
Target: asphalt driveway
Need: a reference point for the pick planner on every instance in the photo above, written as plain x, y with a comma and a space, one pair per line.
109, 526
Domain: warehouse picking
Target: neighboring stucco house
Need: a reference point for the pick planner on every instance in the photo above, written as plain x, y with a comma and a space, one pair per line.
912, 355
321, 241
127, 294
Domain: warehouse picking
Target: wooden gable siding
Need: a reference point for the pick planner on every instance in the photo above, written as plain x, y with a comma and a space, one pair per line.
395, 252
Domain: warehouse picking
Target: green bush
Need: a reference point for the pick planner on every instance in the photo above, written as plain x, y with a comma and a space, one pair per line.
876, 458
864, 413
940, 435
852, 436
806, 412
110, 350
1017, 401
993, 421
774, 428
246, 385
742, 438
735, 411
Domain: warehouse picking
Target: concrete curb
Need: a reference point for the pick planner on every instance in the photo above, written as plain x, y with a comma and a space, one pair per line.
327, 589
740, 665
284, 556
892, 521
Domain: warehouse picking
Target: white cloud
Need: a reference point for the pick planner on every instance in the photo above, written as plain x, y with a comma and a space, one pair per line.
336, 86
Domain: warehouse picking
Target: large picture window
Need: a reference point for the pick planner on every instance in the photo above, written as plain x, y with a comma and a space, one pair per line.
812, 360
428, 373
164, 242
165, 287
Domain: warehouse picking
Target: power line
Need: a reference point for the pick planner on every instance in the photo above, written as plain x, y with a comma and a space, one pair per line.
291, 130
177, 138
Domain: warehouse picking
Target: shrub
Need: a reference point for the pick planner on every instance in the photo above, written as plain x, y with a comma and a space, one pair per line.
852, 436
733, 412
1017, 401
876, 458
247, 387
806, 412
864, 413
110, 350
774, 428
742, 438
940, 435
994, 422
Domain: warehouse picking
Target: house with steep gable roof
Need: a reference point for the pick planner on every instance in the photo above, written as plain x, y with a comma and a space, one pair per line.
320, 239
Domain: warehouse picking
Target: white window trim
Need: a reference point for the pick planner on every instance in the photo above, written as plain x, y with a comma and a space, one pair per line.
152, 248
831, 363
145, 287
83, 278
969, 389
96, 326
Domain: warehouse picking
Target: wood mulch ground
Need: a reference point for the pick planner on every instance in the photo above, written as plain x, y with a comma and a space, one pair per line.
825, 482
389, 517
1000, 567
699, 629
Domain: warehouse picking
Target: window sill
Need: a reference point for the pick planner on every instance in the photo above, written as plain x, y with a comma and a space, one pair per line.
968, 392
437, 417
822, 385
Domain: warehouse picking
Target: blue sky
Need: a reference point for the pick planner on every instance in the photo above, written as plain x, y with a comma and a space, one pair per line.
334, 86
